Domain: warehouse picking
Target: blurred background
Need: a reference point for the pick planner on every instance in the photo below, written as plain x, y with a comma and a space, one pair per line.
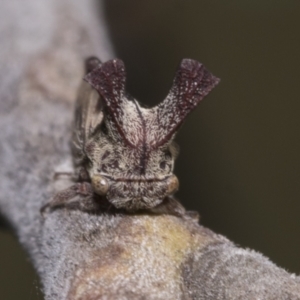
239, 164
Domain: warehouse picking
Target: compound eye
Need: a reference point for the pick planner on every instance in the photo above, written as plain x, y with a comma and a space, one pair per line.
100, 184
172, 184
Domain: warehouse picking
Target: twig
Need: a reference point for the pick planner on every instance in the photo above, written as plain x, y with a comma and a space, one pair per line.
101, 256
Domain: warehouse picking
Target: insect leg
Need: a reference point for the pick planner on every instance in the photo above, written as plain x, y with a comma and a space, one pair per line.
169, 206
78, 195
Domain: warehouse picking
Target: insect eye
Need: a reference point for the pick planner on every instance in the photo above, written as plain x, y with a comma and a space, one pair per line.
172, 184
162, 165
100, 184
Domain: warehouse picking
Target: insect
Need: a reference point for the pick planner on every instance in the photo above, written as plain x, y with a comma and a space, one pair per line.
124, 153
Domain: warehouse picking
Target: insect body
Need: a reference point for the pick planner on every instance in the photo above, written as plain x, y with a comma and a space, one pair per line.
124, 152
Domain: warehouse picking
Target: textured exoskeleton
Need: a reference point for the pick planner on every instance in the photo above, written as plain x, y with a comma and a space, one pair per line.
123, 151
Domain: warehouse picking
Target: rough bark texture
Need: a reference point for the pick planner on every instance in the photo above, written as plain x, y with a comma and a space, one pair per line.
104, 256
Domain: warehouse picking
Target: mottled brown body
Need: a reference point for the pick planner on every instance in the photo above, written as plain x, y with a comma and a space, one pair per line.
125, 151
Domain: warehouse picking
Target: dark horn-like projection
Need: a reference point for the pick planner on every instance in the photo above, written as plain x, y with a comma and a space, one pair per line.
191, 84
109, 80
157, 125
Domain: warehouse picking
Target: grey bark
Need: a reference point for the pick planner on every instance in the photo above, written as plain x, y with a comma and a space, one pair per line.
96, 256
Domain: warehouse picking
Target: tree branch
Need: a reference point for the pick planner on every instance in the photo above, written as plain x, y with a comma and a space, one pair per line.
96, 256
